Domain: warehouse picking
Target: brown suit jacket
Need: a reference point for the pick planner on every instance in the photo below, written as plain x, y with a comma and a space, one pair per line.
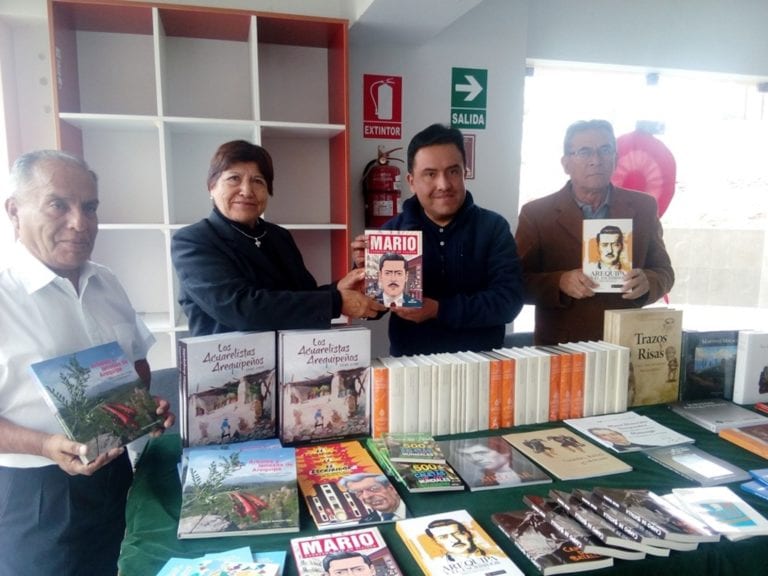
549, 239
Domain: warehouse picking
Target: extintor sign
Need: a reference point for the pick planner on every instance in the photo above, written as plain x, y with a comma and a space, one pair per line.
382, 106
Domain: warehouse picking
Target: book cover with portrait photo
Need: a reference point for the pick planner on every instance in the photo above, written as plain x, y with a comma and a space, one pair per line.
607, 252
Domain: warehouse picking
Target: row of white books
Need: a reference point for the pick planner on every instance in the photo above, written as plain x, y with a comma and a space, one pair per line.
471, 391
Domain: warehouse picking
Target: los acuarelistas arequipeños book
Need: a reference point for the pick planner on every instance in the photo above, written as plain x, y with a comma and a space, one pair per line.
360, 551
393, 267
325, 386
239, 489
607, 252
98, 397
653, 336
227, 387
343, 486
454, 543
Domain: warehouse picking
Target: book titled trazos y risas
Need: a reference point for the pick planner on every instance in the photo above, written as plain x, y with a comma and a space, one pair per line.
98, 397
393, 267
227, 387
607, 252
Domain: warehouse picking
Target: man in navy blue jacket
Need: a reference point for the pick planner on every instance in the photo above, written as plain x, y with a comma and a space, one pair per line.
472, 280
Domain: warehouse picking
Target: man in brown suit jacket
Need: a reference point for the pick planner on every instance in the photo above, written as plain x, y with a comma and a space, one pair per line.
549, 241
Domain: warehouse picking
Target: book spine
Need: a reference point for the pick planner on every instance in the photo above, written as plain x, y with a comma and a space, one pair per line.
494, 394
183, 392
577, 386
555, 370
508, 393
380, 419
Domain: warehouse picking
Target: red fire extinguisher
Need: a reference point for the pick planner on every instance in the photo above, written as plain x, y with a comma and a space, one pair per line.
381, 188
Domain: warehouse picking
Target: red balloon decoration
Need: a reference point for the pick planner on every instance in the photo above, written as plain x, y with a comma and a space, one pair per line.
645, 164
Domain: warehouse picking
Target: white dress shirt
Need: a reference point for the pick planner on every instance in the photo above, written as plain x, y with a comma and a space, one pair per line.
42, 316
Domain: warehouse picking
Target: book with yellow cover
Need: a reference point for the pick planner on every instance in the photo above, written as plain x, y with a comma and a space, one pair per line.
566, 455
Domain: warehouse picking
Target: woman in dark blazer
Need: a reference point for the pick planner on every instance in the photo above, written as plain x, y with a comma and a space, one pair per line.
239, 272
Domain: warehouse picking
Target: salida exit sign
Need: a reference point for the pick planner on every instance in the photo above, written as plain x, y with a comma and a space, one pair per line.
469, 88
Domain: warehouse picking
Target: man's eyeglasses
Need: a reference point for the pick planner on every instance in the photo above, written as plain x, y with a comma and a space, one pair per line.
586, 153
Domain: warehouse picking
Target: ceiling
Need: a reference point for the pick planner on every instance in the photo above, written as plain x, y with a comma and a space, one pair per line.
407, 21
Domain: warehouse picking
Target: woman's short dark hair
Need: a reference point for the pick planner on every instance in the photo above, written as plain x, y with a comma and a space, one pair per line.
238, 151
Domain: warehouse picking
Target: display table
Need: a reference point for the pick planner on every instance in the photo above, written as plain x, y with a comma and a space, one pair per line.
154, 501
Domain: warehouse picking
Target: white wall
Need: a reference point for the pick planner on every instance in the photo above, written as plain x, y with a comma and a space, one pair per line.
706, 35
491, 36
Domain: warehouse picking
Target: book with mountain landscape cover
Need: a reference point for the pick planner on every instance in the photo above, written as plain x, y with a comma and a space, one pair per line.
709, 364
360, 551
607, 252
454, 543
393, 267
227, 387
546, 547
566, 455
489, 462
238, 489
653, 336
323, 472
324, 383
97, 397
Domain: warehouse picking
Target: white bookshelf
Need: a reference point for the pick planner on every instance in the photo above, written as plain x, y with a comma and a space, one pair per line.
146, 93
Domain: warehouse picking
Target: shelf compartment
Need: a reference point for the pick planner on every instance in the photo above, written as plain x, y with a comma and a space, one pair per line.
104, 57
301, 186
190, 147
216, 42
137, 257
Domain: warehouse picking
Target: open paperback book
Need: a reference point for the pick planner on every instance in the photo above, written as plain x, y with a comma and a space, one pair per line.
98, 397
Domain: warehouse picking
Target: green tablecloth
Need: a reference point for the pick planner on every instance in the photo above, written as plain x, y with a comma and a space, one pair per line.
154, 501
